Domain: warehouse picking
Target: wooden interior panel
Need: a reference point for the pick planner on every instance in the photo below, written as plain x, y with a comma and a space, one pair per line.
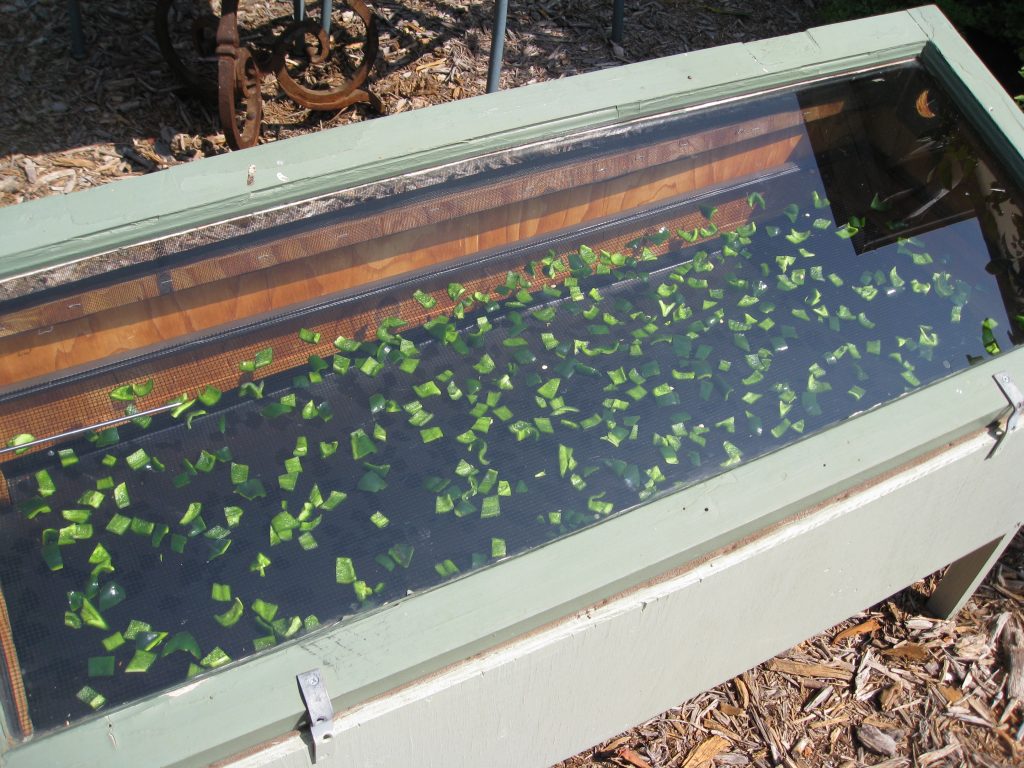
232, 259
100, 335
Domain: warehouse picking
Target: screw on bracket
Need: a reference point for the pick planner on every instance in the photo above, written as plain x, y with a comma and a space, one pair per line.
320, 712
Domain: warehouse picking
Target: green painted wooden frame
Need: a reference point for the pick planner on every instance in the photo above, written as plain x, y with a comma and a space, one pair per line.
247, 703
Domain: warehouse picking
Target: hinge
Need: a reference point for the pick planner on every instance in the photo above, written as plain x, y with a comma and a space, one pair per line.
1012, 420
320, 712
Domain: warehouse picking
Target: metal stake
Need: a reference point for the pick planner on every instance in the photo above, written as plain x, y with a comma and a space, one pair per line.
497, 45
75, 22
618, 12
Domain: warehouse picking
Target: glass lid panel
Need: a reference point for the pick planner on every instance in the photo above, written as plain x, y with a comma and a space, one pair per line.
609, 335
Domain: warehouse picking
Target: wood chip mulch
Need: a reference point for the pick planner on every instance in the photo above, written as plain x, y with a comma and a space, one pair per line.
70, 125
889, 687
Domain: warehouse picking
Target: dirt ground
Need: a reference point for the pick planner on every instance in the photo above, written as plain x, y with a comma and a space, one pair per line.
889, 687
73, 124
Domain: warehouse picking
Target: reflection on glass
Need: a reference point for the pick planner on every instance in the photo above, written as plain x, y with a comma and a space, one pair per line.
775, 267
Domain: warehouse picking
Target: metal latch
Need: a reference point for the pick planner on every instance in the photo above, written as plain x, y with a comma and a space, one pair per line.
1013, 420
319, 710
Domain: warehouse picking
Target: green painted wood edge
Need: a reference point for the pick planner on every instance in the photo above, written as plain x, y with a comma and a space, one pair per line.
236, 708
981, 97
55, 230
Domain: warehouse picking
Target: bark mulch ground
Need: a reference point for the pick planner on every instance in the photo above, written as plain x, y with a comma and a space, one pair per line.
889, 687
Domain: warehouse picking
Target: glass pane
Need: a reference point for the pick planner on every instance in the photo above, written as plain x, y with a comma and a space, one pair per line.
545, 338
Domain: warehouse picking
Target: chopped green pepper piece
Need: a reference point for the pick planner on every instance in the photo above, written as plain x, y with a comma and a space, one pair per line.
44, 483
491, 507
446, 568
988, 339
111, 594
209, 395
90, 697
402, 554
101, 666
215, 658
431, 434
231, 616
138, 459
266, 611
362, 445
194, 508
182, 641
251, 489
91, 616
344, 570
371, 482
334, 499
141, 661
119, 523
121, 496
20, 440
308, 336
425, 299
259, 565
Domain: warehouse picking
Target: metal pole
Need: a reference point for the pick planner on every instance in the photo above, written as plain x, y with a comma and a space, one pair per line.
326, 20
497, 45
75, 22
618, 12
299, 9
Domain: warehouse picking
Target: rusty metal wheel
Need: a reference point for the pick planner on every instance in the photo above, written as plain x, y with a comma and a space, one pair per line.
319, 47
238, 83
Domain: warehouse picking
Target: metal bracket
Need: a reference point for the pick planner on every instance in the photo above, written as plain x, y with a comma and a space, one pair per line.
1013, 420
320, 712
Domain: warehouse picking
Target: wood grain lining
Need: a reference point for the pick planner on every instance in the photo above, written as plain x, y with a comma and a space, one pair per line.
515, 187
99, 335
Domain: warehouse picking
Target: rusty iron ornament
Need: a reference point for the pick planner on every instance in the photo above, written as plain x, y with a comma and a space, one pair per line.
238, 77
349, 92
241, 68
